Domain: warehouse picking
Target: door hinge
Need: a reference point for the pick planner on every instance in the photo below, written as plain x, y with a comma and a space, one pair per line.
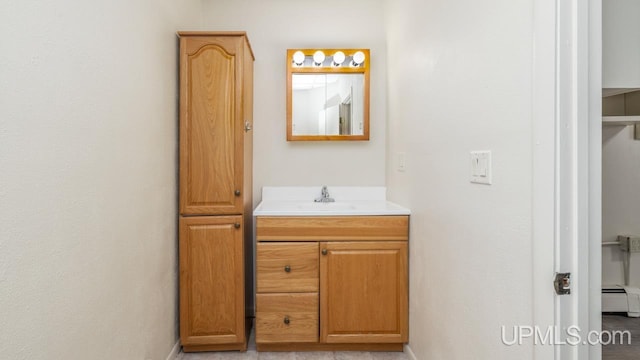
562, 283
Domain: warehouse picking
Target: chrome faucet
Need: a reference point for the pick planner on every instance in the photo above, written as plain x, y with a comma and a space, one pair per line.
324, 197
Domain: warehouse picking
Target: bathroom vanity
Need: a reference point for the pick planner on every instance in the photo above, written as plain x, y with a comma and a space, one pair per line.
331, 275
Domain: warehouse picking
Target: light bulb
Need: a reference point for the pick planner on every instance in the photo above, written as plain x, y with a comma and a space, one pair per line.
298, 58
358, 58
318, 58
338, 58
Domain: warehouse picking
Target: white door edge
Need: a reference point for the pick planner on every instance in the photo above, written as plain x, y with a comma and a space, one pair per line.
595, 173
567, 171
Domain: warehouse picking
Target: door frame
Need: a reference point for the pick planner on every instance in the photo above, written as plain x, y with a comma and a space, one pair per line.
566, 185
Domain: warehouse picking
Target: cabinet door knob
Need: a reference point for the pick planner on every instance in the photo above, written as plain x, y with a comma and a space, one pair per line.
324, 251
286, 320
237, 225
247, 126
237, 192
287, 268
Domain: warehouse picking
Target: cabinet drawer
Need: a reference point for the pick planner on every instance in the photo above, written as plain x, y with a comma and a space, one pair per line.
332, 228
287, 267
287, 318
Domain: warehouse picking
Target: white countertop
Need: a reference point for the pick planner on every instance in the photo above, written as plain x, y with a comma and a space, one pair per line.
349, 201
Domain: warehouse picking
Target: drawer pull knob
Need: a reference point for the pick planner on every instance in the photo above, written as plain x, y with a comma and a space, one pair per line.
287, 268
324, 251
237, 225
286, 320
237, 192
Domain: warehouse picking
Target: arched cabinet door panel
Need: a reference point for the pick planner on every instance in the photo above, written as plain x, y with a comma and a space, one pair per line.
212, 125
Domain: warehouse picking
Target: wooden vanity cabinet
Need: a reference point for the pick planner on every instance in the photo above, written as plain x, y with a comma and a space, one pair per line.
363, 292
211, 282
332, 283
215, 206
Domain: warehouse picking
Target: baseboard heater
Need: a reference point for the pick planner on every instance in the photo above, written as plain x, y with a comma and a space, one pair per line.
618, 298
621, 299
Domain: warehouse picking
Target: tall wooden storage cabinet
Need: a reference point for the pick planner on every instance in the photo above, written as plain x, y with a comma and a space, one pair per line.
216, 116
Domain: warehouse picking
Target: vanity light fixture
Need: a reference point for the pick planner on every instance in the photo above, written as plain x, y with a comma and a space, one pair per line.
298, 58
318, 58
357, 59
338, 58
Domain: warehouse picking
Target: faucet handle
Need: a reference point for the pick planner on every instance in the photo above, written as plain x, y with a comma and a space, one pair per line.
324, 194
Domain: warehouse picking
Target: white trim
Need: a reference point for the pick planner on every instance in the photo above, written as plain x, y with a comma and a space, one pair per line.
407, 349
595, 173
578, 244
620, 120
566, 168
572, 171
175, 351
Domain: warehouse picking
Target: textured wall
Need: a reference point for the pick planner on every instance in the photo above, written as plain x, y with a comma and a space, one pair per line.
460, 80
88, 154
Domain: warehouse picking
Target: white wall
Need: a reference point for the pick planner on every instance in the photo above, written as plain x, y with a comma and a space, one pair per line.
620, 44
459, 80
273, 27
88, 154
620, 200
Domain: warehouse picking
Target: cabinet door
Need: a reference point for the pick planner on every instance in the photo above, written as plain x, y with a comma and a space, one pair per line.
211, 125
211, 280
363, 292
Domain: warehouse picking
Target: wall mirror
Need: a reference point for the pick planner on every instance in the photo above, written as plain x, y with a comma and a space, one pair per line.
327, 94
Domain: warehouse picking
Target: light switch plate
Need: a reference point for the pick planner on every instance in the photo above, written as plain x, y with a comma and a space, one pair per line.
481, 167
402, 162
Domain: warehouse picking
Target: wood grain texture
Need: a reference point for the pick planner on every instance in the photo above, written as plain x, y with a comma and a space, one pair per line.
364, 69
221, 347
219, 34
332, 228
364, 292
211, 280
247, 191
216, 96
211, 125
328, 347
302, 259
300, 309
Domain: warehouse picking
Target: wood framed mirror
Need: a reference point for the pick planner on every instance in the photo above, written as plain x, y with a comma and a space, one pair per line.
327, 94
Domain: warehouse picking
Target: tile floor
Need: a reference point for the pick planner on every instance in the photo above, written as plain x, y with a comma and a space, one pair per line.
252, 354
612, 322
609, 352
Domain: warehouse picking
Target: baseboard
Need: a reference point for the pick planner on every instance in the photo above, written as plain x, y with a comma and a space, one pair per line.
407, 349
176, 351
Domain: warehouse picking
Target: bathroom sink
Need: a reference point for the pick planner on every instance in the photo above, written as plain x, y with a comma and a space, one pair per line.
349, 201
326, 206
